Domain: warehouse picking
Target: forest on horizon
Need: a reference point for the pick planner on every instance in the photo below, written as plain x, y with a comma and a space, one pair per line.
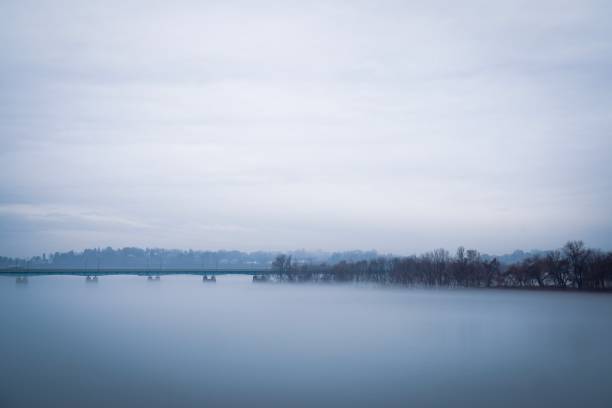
572, 266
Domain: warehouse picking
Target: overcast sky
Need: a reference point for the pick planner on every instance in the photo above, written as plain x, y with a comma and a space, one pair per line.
398, 126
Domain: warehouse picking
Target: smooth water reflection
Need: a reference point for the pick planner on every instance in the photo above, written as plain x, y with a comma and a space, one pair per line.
181, 341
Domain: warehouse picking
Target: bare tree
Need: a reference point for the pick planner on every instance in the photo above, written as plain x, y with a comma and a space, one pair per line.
491, 269
556, 268
577, 256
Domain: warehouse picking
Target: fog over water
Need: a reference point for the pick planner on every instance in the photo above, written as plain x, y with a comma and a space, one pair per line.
128, 341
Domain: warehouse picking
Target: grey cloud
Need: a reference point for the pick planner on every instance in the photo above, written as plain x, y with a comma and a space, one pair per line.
392, 125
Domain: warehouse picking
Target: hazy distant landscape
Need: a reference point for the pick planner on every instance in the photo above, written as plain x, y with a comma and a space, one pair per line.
155, 258
574, 266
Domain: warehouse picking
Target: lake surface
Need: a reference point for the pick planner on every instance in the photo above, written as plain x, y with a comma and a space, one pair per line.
126, 341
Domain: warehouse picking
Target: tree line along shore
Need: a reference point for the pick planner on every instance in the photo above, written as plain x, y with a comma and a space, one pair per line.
572, 267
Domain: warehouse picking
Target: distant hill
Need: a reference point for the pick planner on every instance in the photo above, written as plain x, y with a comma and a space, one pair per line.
515, 257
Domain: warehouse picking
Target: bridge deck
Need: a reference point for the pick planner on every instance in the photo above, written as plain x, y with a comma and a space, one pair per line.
132, 271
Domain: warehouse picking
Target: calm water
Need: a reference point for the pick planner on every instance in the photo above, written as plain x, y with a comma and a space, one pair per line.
129, 342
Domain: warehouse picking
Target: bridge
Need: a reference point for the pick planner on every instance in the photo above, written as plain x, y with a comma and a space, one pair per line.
33, 271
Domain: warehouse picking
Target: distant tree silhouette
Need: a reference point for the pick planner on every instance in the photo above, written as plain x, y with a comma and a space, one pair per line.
574, 266
577, 259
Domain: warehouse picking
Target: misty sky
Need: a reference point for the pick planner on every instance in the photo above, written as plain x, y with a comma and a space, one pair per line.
398, 126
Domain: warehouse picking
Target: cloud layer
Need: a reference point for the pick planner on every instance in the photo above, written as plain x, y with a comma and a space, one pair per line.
400, 126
